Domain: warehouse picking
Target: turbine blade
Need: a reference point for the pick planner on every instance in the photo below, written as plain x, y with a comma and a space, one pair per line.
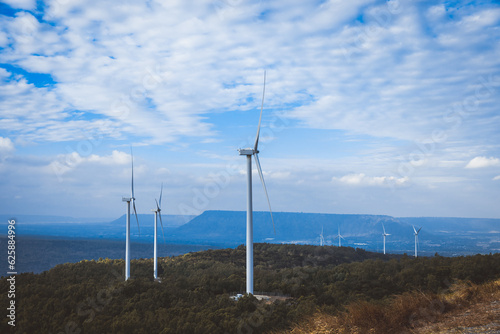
265, 190
414, 230
135, 212
161, 223
260, 117
132, 155
419, 230
383, 227
161, 192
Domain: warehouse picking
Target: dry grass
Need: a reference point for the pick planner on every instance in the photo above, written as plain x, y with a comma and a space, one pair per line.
320, 323
474, 309
403, 312
466, 306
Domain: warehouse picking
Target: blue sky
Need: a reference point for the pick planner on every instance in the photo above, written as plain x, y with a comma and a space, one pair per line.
378, 107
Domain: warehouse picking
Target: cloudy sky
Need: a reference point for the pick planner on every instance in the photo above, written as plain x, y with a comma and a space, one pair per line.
379, 107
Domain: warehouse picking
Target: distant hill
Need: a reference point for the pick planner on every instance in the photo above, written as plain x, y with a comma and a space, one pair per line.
444, 235
230, 226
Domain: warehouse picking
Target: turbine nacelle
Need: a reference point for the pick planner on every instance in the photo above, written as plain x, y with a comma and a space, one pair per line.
247, 151
385, 233
158, 211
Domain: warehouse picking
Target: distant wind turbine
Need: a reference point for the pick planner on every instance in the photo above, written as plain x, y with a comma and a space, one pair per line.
416, 239
157, 212
249, 152
127, 230
340, 237
385, 235
321, 238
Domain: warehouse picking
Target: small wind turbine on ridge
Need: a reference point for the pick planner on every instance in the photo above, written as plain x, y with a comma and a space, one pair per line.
385, 235
340, 237
127, 228
157, 212
416, 239
321, 238
249, 152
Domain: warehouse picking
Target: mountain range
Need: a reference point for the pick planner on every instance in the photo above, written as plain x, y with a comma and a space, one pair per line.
444, 235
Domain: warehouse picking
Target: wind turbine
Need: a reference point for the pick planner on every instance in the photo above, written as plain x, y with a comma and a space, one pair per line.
249, 152
157, 212
340, 237
416, 239
321, 238
384, 234
127, 229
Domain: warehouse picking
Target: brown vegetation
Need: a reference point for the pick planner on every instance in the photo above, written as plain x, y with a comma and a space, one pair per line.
465, 308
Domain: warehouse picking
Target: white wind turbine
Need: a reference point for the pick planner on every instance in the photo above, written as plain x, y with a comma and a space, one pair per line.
157, 212
385, 235
340, 237
321, 238
127, 230
416, 239
249, 152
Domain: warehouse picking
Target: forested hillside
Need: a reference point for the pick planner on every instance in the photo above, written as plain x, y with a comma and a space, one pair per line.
91, 297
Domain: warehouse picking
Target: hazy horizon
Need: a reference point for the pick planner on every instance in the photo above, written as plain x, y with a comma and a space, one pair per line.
98, 219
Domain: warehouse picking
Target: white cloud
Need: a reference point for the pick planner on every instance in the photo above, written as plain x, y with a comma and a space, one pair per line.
398, 82
6, 146
482, 162
163, 171
158, 69
116, 158
363, 180
21, 4
64, 163
67, 162
496, 178
481, 19
278, 175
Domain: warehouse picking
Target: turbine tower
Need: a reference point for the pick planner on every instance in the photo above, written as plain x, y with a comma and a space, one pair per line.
249, 152
157, 212
127, 228
340, 237
385, 235
416, 239
321, 238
